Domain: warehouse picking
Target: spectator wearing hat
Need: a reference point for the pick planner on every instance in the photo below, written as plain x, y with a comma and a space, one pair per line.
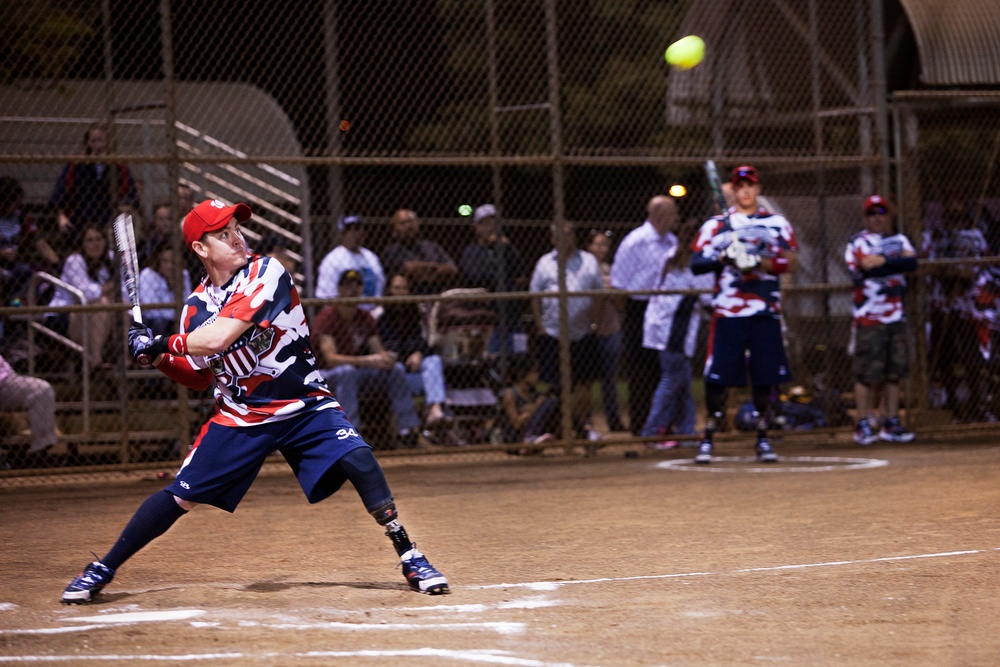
492, 263
350, 255
748, 249
637, 266
877, 258
424, 263
354, 361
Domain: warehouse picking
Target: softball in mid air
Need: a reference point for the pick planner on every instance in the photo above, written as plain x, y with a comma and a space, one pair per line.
686, 52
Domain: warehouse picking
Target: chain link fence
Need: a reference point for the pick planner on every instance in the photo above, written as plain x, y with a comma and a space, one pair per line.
411, 117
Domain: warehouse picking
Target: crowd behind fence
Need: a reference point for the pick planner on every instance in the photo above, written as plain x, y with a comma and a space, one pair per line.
550, 111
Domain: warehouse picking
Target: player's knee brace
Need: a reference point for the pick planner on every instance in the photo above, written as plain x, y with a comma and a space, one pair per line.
363, 471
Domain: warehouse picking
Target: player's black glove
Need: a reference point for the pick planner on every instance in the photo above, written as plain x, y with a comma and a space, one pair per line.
139, 338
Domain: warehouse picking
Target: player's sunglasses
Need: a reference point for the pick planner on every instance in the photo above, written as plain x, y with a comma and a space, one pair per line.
876, 210
746, 173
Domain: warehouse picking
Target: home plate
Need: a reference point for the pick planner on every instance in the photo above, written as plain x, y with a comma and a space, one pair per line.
783, 464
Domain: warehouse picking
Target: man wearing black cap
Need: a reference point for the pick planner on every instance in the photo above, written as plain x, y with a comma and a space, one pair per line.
244, 331
748, 248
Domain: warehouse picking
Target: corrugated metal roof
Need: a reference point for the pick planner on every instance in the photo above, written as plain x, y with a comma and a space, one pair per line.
958, 40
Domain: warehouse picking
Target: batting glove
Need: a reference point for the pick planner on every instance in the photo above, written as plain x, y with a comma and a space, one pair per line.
139, 338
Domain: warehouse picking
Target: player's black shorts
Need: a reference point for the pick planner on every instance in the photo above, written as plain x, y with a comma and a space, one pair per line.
881, 353
224, 461
738, 345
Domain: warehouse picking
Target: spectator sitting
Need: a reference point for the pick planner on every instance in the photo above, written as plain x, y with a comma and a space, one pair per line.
582, 274
90, 271
401, 331
427, 266
22, 249
491, 262
36, 397
156, 285
526, 416
354, 360
350, 255
84, 195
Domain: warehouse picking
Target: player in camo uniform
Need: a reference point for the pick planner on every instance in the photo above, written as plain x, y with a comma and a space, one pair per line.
877, 258
244, 330
747, 251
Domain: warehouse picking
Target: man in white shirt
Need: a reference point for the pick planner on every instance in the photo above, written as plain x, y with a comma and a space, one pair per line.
583, 273
348, 256
637, 266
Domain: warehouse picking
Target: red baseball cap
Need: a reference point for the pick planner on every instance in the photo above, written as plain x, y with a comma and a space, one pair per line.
744, 173
876, 202
209, 216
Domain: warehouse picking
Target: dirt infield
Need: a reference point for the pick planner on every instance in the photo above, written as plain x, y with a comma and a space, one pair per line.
554, 560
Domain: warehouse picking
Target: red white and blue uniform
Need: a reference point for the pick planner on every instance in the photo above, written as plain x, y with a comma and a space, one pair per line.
746, 307
755, 292
986, 312
877, 299
269, 393
269, 373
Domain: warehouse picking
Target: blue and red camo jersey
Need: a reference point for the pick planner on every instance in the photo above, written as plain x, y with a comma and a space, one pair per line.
755, 292
877, 300
269, 373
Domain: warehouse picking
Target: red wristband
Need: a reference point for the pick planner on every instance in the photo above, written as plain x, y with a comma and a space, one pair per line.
779, 265
178, 345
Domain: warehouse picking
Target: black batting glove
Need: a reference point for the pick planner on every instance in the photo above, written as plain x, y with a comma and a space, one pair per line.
159, 345
139, 338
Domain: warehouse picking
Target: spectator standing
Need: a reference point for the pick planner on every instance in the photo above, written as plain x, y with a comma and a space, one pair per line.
89, 270
491, 262
23, 249
270, 398
157, 285
747, 251
608, 330
954, 366
425, 264
36, 397
351, 255
401, 330
354, 360
637, 265
92, 193
877, 258
582, 274
671, 329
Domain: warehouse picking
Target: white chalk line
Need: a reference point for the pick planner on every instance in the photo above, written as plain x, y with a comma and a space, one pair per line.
474, 656
552, 585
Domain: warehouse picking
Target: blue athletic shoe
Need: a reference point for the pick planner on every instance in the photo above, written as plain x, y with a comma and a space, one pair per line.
90, 582
421, 575
704, 455
765, 454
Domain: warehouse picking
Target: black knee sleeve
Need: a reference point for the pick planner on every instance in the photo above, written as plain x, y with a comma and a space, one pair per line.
360, 467
715, 400
762, 406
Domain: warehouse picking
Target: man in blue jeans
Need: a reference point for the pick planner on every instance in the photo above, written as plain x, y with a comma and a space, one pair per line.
354, 360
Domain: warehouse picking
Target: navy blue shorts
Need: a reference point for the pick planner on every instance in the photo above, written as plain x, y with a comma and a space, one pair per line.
738, 345
224, 461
